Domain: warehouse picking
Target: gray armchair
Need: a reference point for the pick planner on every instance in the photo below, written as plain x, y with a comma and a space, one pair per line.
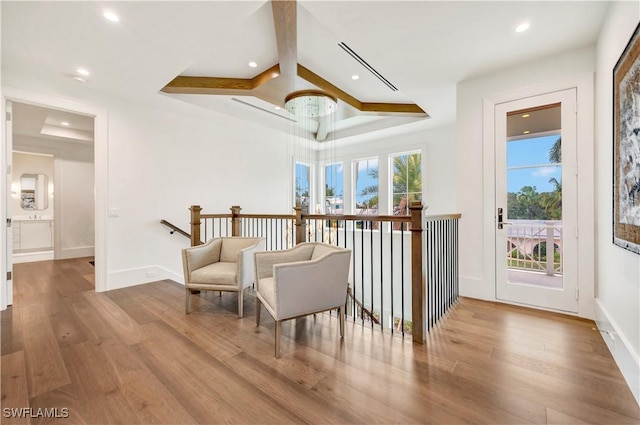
221, 264
307, 279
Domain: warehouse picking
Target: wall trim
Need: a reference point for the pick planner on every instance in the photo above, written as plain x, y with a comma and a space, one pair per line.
626, 358
137, 276
29, 257
77, 252
473, 287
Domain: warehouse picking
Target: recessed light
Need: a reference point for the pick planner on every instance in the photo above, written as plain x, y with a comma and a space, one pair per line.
355, 77
82, 71
253, 64
65, 124
523, 27
79, 79
526, 132
525, 115
111, 16
277, 108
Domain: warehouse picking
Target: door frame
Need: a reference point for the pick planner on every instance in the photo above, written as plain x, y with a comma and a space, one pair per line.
101, 175
586, 184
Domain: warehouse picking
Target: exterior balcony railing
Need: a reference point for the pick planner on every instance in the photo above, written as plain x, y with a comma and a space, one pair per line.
535, 245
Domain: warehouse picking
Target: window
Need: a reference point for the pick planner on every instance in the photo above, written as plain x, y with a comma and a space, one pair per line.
407, 181
366, 193
333, 189
303, 184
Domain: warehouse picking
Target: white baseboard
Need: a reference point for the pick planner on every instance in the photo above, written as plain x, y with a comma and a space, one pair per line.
132, 277
79, 252
626, 358
29, 257
473, 287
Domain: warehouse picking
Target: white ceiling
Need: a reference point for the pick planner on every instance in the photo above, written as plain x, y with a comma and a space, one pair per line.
423, 47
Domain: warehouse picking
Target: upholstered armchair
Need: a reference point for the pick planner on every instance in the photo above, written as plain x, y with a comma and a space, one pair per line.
221, 264
307, 279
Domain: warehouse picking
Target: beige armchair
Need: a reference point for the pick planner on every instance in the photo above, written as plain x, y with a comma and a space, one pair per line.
307, 279
221, 264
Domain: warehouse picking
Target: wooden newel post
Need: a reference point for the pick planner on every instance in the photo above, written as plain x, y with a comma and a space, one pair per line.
301, 227
418, 287
195, 225
235, 221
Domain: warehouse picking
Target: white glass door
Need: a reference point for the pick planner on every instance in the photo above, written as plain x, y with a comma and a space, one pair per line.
536, 201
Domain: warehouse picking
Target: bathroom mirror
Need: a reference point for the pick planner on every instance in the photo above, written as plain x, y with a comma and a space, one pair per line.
34, 192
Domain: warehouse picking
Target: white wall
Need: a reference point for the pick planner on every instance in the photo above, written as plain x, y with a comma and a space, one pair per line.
438, 159
618, 270
73, 193
164, 159
474, 178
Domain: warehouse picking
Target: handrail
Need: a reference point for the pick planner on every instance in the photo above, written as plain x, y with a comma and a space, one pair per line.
452, 216
360, 217
216, 215
362, 307
175, 228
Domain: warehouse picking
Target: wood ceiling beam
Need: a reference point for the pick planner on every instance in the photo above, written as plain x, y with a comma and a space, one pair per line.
383, 108
219, 85
285, 22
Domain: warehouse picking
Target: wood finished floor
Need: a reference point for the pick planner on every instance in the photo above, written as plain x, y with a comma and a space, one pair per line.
132, 356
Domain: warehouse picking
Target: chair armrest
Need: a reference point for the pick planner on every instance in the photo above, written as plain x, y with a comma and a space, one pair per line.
246, 266
199, 256
264, 261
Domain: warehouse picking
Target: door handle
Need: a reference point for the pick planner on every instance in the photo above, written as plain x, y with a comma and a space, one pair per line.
501, 222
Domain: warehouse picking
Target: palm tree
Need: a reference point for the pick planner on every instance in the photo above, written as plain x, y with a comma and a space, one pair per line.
407, 182
553, 203
555, 152
370, 192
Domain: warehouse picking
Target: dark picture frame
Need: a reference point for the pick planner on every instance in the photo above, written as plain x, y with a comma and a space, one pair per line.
626, 146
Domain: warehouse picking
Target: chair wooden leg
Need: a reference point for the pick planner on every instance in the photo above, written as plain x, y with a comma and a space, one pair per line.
258, 304
341, 313
187, 306
278, 331
240, 304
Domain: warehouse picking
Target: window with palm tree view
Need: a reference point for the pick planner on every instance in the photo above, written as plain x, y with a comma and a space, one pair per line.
367, 189
303, 184
406, 181
333, 189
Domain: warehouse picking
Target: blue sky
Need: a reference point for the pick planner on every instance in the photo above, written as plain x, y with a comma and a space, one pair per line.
527, 153
363, 179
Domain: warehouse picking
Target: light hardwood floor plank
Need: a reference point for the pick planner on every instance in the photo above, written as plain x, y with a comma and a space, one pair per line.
132, 356
15, 393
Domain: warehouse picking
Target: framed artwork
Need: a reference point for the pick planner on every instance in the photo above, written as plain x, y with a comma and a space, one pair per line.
626, 146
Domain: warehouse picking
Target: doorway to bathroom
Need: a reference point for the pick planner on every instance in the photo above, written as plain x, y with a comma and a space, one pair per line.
52, 186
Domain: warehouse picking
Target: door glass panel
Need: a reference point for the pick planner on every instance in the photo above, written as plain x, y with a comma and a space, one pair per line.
534, 202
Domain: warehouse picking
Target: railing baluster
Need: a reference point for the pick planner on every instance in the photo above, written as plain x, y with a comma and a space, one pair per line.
380, 231
402, 275
392, 280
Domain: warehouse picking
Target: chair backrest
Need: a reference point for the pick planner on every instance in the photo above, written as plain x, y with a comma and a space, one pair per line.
320, 250
231, 247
